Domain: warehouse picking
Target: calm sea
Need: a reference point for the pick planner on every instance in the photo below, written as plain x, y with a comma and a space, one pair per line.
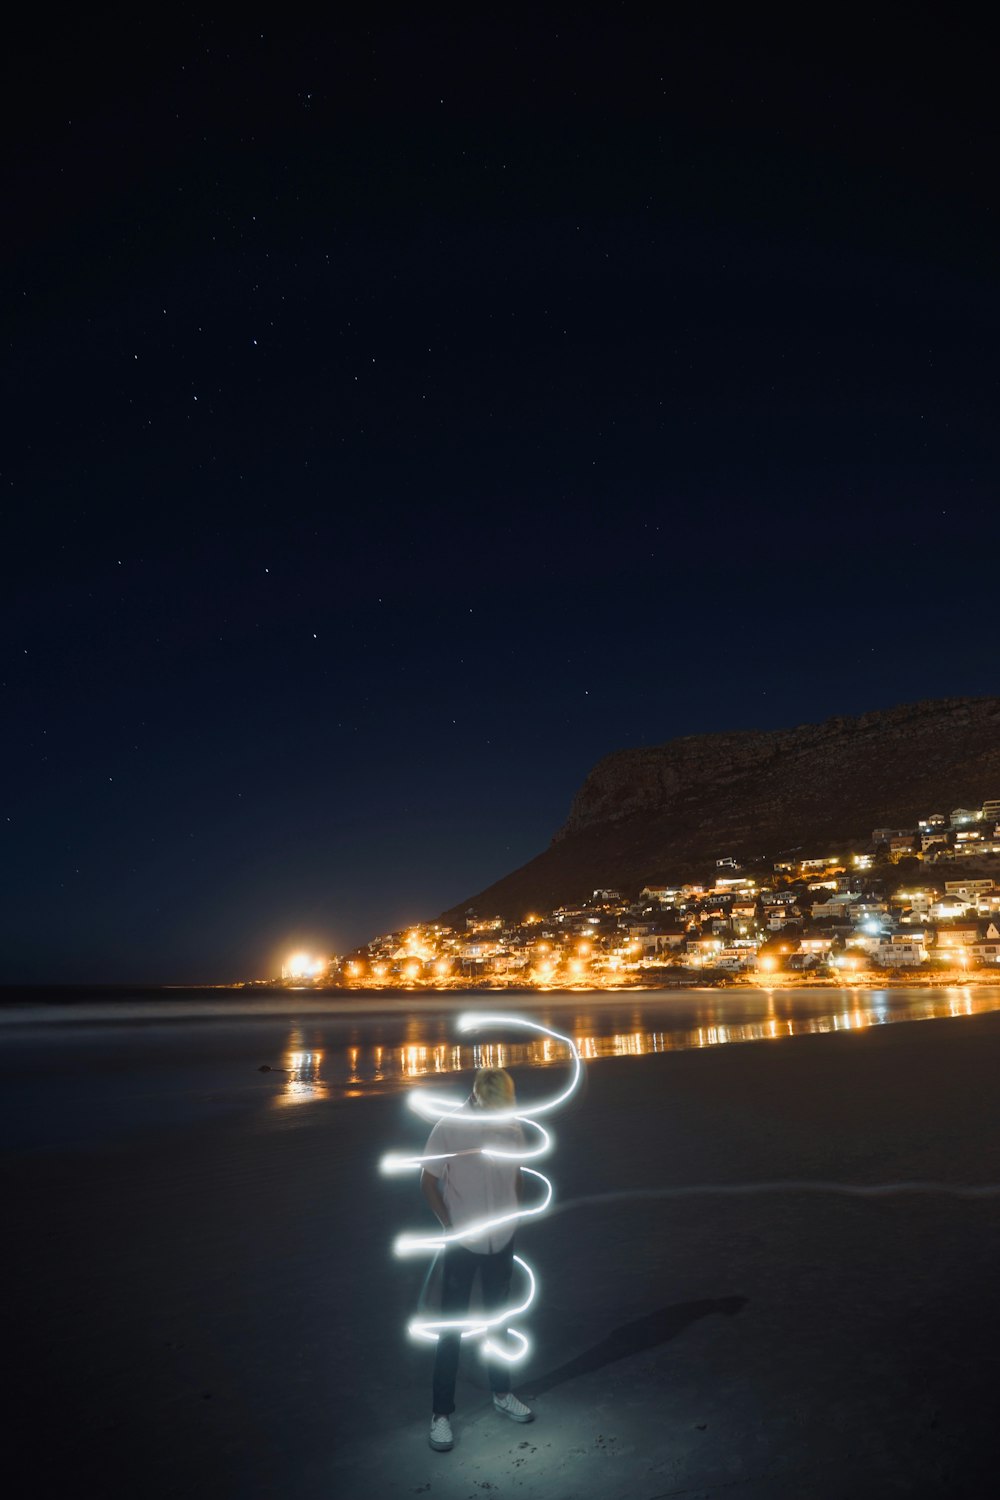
81, 1073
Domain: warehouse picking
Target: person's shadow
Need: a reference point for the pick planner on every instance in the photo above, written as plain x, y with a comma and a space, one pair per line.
633, 1338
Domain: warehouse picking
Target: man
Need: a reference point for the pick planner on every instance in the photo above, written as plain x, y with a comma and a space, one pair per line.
465, 1188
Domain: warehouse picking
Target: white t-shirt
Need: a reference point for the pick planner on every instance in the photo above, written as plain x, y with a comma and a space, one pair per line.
476, 1187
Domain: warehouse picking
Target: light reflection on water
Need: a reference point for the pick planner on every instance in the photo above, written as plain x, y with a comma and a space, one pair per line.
362, 1067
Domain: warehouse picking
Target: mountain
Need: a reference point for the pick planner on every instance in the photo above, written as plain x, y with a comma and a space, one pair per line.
666, 813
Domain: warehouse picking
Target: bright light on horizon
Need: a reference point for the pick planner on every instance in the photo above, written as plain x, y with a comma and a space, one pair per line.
303, 966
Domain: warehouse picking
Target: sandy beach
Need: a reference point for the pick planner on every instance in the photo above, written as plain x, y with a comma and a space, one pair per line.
771, 1273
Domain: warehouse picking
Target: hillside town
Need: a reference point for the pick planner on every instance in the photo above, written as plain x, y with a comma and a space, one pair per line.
918, 901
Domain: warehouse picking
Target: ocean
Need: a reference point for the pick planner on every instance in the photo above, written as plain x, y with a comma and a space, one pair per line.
83, 1072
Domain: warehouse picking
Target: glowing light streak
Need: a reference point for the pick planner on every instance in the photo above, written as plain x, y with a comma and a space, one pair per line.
411, 1244
392, 1163
438, 1107
431, 1328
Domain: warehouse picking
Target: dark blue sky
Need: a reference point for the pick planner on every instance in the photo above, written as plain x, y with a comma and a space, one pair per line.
401, 417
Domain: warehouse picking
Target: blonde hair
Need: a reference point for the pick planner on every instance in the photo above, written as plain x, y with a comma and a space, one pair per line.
494, 1088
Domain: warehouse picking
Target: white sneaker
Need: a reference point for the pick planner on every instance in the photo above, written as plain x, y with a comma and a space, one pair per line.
440, 1436
511, 1407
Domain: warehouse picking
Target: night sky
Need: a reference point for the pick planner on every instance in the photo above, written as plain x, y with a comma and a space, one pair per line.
401, 415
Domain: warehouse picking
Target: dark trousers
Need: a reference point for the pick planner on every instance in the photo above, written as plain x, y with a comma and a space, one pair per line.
459, 1271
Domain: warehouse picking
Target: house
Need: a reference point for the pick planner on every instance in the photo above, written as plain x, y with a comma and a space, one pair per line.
836, 908
742, 917
568, 913
815, 949
986, 948
972, 889
962, 815
737, 956
917, 900
901, 951
478, 949
659, 942
703, 950
956, 935
805, 958
511, 960
896, 950
867, 942
886, 835
868, 911
664, 894
670, 936
948, 908
780, 917
824, 862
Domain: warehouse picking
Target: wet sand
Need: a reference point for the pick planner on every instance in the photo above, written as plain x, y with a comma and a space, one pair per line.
211, 1307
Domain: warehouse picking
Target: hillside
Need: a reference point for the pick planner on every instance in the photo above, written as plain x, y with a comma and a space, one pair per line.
666, 813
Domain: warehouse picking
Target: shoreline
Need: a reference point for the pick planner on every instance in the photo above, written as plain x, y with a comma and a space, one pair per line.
207, 1006
774, 1267
21, 996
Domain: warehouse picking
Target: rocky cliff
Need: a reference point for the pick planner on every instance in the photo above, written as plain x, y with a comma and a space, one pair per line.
666, 813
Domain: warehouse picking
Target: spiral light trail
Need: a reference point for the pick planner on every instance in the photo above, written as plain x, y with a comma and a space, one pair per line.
437, 1107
